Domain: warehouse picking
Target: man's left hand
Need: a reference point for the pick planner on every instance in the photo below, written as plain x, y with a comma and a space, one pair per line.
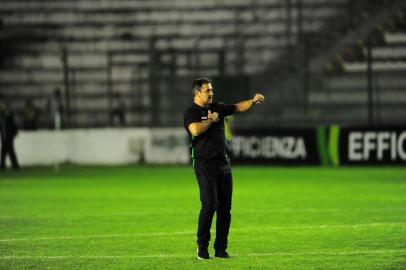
258, 99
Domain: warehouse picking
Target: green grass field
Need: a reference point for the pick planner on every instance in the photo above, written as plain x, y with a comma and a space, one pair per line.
145, 218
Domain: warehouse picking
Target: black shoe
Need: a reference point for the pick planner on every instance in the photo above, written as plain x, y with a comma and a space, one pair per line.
203, 253
222, 253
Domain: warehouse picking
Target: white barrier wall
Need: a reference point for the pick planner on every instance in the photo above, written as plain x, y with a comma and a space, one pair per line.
167, 146
103, 146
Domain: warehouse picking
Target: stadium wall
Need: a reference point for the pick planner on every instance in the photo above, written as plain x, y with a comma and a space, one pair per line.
102, 146
325, 145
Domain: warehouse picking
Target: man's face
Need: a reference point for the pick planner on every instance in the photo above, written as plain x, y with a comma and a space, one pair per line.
206, 94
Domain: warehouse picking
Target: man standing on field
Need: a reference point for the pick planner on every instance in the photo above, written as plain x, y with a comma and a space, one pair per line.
204, 123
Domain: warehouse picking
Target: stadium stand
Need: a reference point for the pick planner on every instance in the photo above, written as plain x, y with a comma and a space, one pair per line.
149, 51
344, 96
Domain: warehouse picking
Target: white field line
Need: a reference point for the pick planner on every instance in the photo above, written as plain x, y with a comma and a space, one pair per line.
135, 213
98, 236
275, 210
271, 254
329, 226
354, 252
155, 234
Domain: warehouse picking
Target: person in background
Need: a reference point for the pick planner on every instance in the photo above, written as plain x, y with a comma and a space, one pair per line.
228, 123
56, 110
118, 111
30, 116
228, 132
8, 130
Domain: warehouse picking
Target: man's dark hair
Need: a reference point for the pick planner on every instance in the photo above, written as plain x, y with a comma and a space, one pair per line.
198, 83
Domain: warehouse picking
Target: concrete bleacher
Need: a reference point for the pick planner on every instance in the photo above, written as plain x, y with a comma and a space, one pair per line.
341, 94
188, 38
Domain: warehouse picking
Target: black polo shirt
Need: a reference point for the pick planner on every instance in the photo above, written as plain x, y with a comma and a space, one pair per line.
209, 148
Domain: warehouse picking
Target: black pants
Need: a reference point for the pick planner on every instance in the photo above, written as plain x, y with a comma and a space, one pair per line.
215, 196
7, 148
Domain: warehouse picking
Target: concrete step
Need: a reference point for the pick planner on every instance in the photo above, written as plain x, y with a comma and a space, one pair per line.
378, 66
360, 97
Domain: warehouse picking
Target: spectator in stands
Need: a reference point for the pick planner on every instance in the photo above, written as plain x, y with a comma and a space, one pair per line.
228, 123
30, 115
56, 110
8, 130
118, 111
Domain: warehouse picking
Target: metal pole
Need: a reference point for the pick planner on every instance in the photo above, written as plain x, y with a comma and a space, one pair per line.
154, 79
110, 85
303, 55
196, 55
66, 82
239, 42
72, 96
369, 83
306, 73
288, 11
222, 62
299, 7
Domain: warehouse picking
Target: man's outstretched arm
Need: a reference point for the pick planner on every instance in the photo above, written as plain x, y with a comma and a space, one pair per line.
247, 104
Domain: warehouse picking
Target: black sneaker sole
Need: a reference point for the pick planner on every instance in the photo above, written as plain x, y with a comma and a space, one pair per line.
200, 258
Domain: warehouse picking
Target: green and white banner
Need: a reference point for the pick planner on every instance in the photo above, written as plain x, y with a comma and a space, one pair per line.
326, 146
275, 146
361, 145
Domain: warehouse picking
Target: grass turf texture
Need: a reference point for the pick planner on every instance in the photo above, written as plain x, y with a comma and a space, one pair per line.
145, 218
